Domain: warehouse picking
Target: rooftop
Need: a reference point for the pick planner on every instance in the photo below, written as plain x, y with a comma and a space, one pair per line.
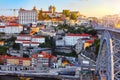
77, 35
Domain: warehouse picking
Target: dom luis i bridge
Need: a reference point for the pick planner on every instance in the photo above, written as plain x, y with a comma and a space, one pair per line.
108, 61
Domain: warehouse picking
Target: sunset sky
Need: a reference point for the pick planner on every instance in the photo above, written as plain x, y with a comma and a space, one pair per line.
97, 8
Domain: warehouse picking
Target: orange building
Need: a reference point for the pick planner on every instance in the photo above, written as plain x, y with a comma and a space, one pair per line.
33, 30
2, 43
88, 43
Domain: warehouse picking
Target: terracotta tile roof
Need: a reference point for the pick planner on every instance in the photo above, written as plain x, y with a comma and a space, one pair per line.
2, 26
14, 57
24, 35
90, 41
13, 24
30, 42
22, 40
23, 10
95, 37
24, 58
77, 35
34, 42
46, 12
44, 54
34, 55
37, 37
1, 41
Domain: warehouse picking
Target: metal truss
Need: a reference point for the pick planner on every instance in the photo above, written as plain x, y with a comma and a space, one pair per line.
116, 55
105, 62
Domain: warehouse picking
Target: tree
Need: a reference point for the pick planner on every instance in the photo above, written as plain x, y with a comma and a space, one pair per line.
25, 55
3, 50
16, 46
72, 54
63, 26
22, 32
12, 39
48, 43
66, 13
43, 45
54, 8
97, 45
40, 15
45, 16
73, 16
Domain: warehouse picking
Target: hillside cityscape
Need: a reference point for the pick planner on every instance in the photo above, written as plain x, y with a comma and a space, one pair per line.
38, 44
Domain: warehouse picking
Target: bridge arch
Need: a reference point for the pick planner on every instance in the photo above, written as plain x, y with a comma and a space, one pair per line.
104, 66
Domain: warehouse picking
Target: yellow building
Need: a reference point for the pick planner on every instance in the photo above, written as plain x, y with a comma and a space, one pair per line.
2, 43
13, 61
88, 43
26, 62
33, 30
117, 26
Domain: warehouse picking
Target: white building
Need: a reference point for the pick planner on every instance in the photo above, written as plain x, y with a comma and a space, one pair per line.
60, 42
11, 28
38, 39
30, 44
83, 22
24, 37
79, 46
28, 40
2, 24
48, 32
71, 39
27, 16
2, 28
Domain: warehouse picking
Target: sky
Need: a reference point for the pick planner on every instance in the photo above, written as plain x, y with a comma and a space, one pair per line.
93, 8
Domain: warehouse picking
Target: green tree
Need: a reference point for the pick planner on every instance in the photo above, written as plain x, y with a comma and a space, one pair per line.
22, 32
25, 55
72, 54
16, 46
63, 26
54, 9
48, 42
43, 45
3, 50
40, 15
66, 13
2, 34
12, 39
73, 16
45, 16
97, 45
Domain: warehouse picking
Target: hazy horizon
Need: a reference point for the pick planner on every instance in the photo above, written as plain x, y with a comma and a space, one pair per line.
95, 8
